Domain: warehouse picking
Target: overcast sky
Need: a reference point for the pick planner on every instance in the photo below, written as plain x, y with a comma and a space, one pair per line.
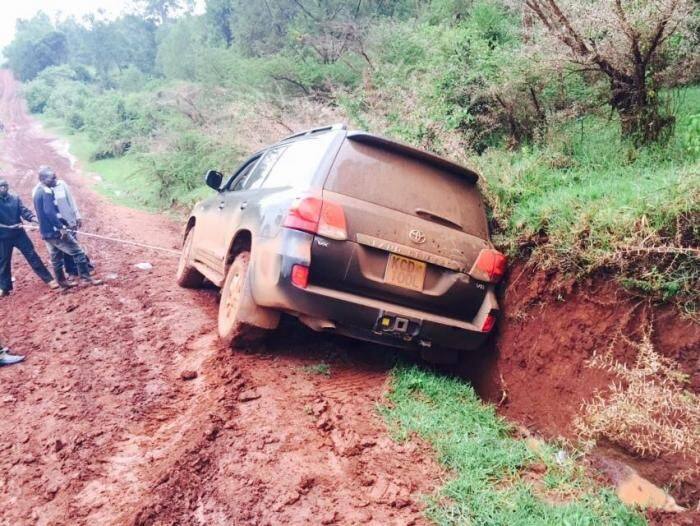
11, 10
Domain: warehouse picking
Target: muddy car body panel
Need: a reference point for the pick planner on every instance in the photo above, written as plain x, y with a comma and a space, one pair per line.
356, 234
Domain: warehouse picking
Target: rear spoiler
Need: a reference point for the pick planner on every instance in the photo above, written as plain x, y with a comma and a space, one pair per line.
422, 155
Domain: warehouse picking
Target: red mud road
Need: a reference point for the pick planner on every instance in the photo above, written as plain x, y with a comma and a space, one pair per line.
99, 427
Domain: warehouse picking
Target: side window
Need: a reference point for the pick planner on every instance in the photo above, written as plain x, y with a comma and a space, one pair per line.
298, 164
239, 177
259, 173
253, 175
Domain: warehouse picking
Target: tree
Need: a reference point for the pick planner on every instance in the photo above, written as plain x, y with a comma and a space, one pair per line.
626, 41
37, 46
160, 11
218, 16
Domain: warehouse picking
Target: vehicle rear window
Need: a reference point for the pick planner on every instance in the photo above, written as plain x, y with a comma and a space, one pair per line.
298, 163
408, 185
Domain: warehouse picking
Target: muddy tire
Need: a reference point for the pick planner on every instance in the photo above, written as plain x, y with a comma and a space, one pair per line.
236, 298
187, 276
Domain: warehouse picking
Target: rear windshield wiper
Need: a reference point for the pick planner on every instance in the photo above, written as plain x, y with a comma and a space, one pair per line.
436, 218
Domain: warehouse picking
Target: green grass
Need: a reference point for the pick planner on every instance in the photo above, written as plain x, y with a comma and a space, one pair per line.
491, 477
122, 179
587, 196
319, 368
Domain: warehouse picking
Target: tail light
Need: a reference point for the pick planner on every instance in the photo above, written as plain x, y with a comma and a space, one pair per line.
489, 322
489, 266
317, 216
300, 276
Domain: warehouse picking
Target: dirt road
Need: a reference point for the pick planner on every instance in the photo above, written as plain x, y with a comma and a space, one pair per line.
99, 426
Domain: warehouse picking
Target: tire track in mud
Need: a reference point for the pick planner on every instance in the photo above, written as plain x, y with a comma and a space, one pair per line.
100, 427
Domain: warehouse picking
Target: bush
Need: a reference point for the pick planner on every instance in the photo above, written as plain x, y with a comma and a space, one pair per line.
649, 410
180, 167
37, 94
75, 121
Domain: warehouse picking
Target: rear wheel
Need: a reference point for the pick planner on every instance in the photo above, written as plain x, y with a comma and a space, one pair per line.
235, 299
187, 276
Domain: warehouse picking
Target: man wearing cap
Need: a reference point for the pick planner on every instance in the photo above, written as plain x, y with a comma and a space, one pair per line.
12, 236
70, 214
54, 230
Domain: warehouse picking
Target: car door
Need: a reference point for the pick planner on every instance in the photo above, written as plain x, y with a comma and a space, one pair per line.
209, 218
236, 198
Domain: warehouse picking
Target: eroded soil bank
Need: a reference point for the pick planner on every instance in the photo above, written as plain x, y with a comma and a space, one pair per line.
538, 374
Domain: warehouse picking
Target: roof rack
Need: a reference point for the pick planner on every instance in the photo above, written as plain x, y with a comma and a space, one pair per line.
339, 126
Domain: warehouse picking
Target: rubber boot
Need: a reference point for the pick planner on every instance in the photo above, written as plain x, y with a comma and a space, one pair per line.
9, 359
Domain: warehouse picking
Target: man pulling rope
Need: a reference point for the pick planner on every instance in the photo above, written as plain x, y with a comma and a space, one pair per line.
12, 212
54, 230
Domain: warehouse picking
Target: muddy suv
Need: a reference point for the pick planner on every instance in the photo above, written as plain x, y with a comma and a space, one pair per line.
350, 233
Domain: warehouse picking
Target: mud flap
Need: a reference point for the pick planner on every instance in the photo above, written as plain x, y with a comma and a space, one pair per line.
250, 313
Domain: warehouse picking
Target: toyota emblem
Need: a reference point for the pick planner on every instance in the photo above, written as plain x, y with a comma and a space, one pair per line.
416, 236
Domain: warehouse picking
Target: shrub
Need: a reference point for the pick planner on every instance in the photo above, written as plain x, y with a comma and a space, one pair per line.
180, 165
37, 94
648, 410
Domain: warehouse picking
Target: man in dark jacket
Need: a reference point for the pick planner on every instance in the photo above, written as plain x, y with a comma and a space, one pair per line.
54, 231
12, 236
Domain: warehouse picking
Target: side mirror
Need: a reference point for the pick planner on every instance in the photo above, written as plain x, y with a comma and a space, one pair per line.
213, 179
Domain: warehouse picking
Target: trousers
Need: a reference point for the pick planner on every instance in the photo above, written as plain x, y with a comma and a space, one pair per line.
61, 247
21, 242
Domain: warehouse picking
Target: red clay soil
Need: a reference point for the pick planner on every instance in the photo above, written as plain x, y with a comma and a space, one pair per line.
128, 411
538, 374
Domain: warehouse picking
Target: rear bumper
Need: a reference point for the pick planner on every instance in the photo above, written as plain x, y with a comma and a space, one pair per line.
347, 313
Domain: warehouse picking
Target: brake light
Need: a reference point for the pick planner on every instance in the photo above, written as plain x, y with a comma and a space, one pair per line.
489, 322
317, 216
489, 266
300, 276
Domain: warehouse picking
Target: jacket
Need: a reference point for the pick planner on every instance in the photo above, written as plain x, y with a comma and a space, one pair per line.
50, 221
12, 212
67, 206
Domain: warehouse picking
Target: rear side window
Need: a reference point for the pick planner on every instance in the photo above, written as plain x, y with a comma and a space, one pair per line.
407, 185
298, 163
256, 177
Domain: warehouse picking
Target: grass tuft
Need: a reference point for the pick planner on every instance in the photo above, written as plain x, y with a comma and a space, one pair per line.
318, 368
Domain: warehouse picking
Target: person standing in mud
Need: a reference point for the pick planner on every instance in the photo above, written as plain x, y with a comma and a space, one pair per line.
12, 236
59, 240
70, 214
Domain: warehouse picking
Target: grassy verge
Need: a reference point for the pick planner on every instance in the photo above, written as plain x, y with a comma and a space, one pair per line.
585, 199
121, 179
497, 478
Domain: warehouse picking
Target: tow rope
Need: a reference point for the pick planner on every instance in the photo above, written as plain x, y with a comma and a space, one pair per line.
106, 238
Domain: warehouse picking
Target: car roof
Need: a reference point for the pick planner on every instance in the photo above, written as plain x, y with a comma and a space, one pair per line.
387, 144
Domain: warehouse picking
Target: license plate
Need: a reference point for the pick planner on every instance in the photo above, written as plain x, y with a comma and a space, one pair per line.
405, 272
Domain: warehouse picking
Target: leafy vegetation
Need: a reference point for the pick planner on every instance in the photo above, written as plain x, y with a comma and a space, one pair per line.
497, 478
586, 136
322, 369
